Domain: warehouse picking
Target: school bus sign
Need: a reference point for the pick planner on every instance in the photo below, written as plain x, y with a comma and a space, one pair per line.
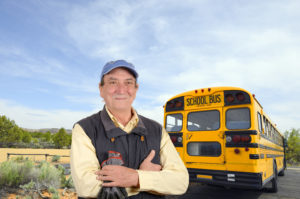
215, 99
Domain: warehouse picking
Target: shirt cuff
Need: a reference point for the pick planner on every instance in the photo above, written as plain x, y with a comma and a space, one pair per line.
145, 181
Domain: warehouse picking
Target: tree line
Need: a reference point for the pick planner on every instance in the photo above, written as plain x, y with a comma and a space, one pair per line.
293, 149
12, 136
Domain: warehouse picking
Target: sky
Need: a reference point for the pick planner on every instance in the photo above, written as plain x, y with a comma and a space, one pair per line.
52, 53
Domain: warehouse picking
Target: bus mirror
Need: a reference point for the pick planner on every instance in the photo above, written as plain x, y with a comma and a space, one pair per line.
285, 143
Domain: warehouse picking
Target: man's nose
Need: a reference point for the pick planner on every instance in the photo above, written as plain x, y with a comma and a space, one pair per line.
121, 88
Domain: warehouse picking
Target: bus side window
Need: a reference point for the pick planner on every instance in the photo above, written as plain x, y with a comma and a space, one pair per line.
265, 125
259, 122
273, 134
269, 130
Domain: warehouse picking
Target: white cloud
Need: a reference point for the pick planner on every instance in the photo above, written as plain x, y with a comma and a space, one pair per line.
176, 46
155, 113
27, 117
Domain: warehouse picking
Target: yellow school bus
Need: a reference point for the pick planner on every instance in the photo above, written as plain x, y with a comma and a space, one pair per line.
225, 138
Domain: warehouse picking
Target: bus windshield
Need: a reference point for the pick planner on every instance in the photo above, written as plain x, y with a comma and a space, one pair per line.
203, 120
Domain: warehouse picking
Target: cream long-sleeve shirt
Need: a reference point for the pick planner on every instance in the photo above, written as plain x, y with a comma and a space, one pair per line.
173, 179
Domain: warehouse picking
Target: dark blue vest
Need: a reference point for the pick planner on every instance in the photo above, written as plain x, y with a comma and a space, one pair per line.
134, 147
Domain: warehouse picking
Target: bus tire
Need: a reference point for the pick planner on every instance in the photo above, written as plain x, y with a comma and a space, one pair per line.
281, 173
274, 187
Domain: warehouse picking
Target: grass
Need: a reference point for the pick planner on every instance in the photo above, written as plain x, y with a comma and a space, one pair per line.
33, 178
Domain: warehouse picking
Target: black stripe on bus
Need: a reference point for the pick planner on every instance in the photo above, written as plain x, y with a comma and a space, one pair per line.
274, 156
246, 132
249, 145
262, 156
269, 148
254, 156
253, 145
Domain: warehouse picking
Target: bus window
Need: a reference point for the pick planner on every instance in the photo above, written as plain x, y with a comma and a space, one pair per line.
203, 121
238, 118
266, 126
269, 129
174, 122
259, 122
204, 148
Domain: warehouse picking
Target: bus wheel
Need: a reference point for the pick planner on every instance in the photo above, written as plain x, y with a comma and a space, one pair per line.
281, 173
274, 187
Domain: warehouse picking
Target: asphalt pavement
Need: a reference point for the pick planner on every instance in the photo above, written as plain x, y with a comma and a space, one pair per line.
288, 188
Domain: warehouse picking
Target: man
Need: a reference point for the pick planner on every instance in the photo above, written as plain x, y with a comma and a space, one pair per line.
151, 166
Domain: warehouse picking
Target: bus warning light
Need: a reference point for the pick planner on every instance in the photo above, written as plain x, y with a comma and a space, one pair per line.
178, 104
240, 97
229, 98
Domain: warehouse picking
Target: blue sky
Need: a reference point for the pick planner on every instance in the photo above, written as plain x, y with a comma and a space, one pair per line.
52, 52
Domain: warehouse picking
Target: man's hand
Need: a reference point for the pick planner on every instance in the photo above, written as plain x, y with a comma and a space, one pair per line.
118, 176
147, 165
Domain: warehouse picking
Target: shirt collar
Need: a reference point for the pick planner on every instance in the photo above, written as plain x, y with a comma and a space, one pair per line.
130, 125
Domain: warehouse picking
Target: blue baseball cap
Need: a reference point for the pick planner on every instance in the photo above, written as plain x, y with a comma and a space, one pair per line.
109, 66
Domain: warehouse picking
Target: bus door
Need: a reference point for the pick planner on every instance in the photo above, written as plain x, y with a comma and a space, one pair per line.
204, 141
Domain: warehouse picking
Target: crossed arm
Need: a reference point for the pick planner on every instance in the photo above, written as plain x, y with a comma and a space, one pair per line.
120, 176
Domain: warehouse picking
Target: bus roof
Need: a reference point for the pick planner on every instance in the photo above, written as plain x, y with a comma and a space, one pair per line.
209, 90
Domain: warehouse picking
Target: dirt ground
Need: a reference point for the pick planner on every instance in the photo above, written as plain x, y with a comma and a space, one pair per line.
63, 194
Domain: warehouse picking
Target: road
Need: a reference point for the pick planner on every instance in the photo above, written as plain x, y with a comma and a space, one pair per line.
288, 188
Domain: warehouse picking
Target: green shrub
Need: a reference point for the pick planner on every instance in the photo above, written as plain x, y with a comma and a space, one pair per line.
23, 173
55, 196
62, 176
14, 173
55, 158
47, 176
52, 190
69, 183
28, 187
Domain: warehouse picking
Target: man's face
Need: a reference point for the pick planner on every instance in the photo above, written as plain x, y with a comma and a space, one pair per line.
119, 90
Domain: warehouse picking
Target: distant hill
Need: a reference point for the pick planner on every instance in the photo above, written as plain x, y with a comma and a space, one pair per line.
52, 130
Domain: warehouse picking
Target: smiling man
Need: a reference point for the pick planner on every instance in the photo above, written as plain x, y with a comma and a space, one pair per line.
118, 152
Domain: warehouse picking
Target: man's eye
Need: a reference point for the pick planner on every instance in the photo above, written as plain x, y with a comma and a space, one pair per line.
129, 83
112, 82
